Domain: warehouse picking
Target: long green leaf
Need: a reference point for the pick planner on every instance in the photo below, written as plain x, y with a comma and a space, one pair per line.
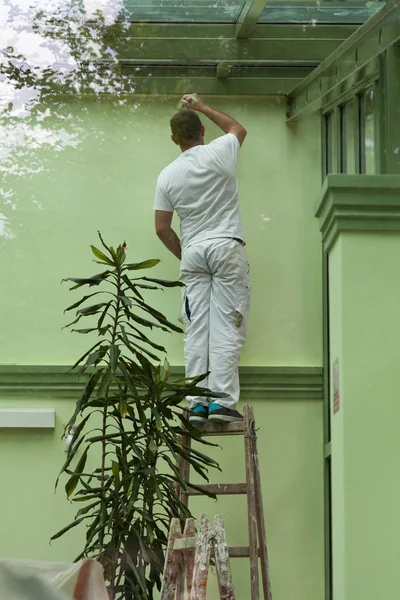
145, 264
163, 282
86, 509
90, 330
90, 281
103, 315
159, 316
99, 254
74, 480
85, 355
91, 310
81, 301
134, 347
88, 391
71, 453
139, 577
95, 357
101, 438
140, 335
67, 528
114, 355
105, 382
146, 323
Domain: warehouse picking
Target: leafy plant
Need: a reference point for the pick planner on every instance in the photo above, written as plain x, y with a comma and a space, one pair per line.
130, 419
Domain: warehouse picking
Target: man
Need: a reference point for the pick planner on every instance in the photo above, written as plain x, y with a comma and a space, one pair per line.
201, 186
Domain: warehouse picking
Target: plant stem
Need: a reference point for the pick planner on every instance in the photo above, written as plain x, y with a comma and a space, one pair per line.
104, 425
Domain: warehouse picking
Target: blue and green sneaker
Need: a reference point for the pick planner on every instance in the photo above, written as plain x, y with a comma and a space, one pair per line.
220, 414
198, 415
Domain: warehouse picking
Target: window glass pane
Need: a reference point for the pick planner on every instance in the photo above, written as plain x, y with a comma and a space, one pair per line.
319, 12
330, 144
183, 11
369, 132
347, 135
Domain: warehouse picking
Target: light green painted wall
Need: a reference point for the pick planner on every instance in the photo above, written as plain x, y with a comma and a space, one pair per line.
337, 436
93, 164
290, 448
98, 171
365, 440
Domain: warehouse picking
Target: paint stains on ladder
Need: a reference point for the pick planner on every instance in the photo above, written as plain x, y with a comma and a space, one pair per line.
196, 552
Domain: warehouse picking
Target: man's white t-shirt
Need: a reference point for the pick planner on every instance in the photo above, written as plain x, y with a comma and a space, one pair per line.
202, 187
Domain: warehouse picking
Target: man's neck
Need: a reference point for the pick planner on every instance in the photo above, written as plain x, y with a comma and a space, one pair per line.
188, 147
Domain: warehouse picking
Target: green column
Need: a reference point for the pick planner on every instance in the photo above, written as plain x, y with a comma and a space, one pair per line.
360, 224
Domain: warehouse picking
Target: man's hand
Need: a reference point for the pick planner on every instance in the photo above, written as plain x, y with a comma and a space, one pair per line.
223, 121
193, 101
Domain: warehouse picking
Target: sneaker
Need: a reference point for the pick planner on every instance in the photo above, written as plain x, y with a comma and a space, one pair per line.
198, 415
220, 414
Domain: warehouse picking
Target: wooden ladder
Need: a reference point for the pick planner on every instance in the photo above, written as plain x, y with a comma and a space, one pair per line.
257, 547
196, 552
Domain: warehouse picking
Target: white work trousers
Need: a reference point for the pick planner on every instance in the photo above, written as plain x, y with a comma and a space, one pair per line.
215, 309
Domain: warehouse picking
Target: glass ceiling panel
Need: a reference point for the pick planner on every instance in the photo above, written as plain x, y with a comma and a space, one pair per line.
319, 12
183, 11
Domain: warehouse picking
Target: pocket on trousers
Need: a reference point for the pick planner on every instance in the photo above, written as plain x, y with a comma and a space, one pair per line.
186, 313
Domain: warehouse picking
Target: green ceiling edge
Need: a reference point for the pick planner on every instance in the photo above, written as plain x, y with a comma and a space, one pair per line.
264, 383
358, 203
351, 58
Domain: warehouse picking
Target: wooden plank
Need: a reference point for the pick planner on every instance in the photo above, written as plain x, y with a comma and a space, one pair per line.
221, 489
184, 470
224, 573
201, 561
262, 536
184, 544
223, 428
189, 533
251, 503
171, 565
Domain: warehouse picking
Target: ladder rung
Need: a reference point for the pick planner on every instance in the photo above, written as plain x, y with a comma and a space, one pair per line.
183, 544
223, 428
220, 489
240, 552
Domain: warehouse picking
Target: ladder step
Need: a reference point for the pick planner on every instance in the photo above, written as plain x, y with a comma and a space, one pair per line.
183, 544
240, 552
223, 428
220, 489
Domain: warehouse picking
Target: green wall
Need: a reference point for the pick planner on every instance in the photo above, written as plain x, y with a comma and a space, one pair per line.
365, 332
92, 164
290, 449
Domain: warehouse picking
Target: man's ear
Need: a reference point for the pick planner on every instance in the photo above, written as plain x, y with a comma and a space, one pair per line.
202, 130
174, 140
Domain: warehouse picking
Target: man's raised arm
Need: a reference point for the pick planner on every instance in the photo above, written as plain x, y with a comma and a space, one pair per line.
223, 121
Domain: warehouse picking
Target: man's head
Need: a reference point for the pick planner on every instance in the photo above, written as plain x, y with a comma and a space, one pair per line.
187, 129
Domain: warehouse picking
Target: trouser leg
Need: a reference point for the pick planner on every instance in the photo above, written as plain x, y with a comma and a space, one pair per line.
196, 316
229, 310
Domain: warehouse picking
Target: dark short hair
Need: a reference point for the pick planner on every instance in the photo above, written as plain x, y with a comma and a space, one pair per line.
186, 126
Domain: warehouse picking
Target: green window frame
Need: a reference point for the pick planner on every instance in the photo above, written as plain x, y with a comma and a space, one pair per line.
351, 132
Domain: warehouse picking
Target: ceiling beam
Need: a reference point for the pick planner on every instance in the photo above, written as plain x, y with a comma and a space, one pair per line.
251, 12
220, 49
167, 78
192, 31
218, 42
352, 61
